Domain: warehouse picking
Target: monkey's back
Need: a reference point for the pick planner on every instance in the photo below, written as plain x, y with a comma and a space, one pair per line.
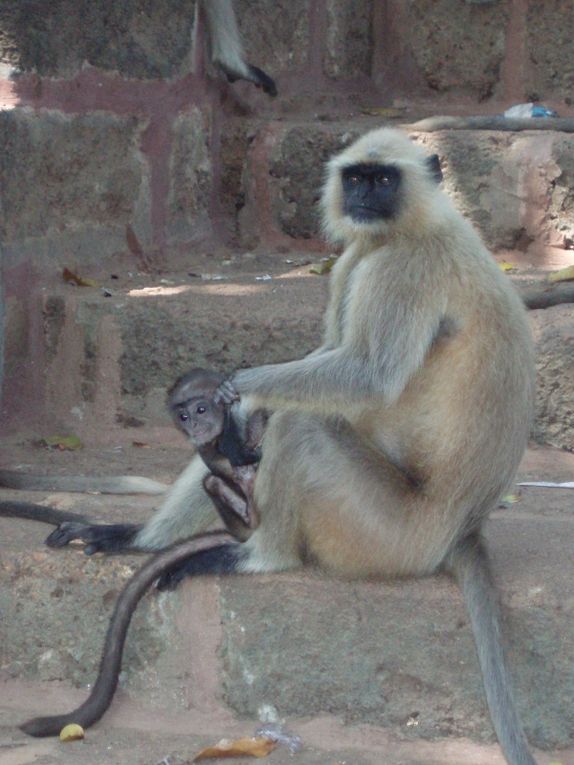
467, 411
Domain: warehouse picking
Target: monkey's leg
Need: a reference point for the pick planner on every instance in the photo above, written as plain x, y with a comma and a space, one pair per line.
362, 515
209, 550
220, 560
186, 510
231, 506
321, 489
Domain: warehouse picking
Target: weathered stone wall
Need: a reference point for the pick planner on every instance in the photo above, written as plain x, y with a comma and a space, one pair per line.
502, 51
516, 188
116, 147
123, 151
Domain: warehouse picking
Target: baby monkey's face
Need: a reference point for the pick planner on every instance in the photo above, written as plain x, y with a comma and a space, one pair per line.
199, 418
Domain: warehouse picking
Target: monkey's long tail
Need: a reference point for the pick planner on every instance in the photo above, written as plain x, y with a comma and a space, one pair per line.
84, 484
104, 688
31, 512
469, 564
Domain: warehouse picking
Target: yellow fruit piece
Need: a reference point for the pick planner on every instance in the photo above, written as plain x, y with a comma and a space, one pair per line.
564, 275
504, 265
72, 732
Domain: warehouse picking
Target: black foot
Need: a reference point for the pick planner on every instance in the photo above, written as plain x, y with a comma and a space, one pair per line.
218, 560
113, 537
262, 80
257, 76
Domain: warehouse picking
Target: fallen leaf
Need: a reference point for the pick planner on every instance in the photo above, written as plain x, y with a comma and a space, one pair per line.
140, 444
71, 278
564, 275
506, 266
72, 732
324, 267
64, 443
387, 112
241, 747
511, 499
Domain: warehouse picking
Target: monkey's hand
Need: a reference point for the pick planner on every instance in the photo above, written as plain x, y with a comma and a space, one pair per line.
112, 537
226, 393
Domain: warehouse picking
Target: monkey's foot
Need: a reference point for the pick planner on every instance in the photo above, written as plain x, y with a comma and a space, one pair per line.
216, 560
263, 81
255, 75
113, 537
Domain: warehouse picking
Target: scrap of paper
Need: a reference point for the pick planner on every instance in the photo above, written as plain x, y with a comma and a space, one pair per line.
549, 484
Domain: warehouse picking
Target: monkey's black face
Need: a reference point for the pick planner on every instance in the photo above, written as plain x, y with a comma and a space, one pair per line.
371, 192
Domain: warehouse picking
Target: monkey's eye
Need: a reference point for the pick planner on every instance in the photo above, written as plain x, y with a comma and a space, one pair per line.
200, 410
184, 416
382, 179
354, 179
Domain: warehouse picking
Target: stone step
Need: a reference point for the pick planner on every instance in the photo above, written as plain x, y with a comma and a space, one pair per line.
92, 363
106, 362
395, 657
100, 364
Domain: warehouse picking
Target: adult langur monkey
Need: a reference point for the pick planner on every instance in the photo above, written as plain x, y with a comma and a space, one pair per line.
390, 443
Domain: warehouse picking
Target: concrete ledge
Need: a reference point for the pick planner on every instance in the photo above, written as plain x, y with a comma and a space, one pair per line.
398, 655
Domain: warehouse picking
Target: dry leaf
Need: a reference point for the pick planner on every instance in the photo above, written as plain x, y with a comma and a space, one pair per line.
71, 278
64, 443
140, 444
241, 747
387, 112
564, 275
72, 732
324, 267
506, 266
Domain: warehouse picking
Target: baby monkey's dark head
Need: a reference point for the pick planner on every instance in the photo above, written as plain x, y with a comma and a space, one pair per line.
191, 405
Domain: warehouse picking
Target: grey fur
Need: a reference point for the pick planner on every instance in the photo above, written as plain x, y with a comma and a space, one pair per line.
121, 484
390, 444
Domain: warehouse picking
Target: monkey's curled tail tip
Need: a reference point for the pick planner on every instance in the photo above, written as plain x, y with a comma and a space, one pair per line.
41, 727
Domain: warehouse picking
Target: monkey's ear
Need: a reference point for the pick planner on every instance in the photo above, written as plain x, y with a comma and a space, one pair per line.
433, 164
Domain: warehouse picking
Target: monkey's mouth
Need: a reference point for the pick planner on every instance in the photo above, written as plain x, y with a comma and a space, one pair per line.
365, 213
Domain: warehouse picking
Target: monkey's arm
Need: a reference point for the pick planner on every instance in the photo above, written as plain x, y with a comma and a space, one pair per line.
310, 382
341, 375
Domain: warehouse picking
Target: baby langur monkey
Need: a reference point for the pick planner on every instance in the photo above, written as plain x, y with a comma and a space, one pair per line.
231, 456
231, 453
